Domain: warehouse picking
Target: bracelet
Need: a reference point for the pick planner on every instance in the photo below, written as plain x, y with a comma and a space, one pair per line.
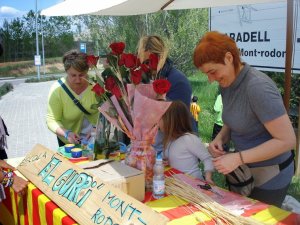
241, 157
8, 179
67, 132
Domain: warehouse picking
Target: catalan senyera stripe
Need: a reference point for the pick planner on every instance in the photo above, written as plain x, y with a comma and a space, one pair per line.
25, 205
166, 203
191, 219
271, 215
180, 211
35, 206
58, 215
14, 205
21, 209
293, 218
256, 207
42, 200
50, 207
68, 221
184, 211
29, 202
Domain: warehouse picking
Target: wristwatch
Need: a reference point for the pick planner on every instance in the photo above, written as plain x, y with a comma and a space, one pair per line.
67, 132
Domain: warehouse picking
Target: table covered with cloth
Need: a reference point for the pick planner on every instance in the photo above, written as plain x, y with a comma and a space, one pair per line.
37, 209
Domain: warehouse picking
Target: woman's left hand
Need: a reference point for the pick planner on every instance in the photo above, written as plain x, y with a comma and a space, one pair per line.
227, 163
20, 185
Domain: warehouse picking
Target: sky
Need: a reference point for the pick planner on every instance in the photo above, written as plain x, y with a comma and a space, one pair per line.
14, 8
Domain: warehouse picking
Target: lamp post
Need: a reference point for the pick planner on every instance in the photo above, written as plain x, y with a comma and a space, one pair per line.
43, 49
37, 58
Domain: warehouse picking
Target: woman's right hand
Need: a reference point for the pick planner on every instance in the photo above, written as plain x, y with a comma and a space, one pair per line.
73, 138
215, 148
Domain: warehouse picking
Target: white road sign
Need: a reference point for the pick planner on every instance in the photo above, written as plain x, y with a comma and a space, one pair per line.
260, 33
37, 60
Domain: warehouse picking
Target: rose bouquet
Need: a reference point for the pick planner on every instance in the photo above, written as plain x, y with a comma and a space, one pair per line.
130, 101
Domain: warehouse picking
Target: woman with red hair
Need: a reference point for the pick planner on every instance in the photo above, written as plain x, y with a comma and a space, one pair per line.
254, 117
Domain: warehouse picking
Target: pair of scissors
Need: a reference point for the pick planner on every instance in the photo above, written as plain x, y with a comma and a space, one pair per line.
209, 188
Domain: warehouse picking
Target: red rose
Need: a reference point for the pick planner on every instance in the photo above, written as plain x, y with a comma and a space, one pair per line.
117, 48
130, 60
136, 76
117, 92
98, 89
153, 61
161, 86
110, 83
92, 60
145, 68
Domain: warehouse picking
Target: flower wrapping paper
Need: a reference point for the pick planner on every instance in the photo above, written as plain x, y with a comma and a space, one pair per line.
146, 112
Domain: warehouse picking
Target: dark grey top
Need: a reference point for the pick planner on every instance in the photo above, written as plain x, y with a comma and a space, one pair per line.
250, 101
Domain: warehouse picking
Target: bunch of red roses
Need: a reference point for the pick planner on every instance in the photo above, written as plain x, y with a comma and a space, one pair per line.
130, 102
125, 68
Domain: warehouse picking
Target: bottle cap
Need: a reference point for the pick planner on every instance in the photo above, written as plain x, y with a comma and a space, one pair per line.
84, 141
159, 156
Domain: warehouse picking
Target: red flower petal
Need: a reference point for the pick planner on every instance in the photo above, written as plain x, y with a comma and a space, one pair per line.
110, 83
130, 60
98, 89
136, 76
117, 48
153, 61
92, 60
161, 86
145, 68
117, 92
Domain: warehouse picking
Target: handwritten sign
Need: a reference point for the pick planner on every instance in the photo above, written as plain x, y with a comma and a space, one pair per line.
86, 198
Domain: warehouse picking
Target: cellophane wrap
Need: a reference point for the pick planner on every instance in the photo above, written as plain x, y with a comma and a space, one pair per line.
145, 112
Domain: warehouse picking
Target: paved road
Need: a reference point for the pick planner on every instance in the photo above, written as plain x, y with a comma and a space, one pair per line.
24, 110
14, 82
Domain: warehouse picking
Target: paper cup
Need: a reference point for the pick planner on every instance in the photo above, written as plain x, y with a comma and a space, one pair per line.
76, 152
69, 147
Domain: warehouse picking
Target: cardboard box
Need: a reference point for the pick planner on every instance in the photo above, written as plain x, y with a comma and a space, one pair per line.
130, 180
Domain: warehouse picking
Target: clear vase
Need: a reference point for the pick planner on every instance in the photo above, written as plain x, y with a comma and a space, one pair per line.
142, 157
107, 139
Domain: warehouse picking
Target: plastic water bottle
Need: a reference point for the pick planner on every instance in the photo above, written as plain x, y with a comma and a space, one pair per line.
90, 146
158, 177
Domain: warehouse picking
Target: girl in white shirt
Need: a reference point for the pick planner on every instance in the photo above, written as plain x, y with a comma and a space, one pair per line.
182, 148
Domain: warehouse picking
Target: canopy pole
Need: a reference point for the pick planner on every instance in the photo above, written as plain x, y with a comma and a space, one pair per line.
289, 52
297, 160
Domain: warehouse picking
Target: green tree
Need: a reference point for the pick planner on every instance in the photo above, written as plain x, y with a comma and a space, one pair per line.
19, 37
182, 30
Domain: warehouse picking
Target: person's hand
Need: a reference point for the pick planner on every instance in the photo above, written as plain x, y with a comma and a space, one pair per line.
227, 163
165, 162
215, 148
208, 177
20, 185
5, 165
73, 138
1, 175
88, 136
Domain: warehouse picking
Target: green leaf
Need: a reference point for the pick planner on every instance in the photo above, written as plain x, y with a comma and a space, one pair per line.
107, 72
